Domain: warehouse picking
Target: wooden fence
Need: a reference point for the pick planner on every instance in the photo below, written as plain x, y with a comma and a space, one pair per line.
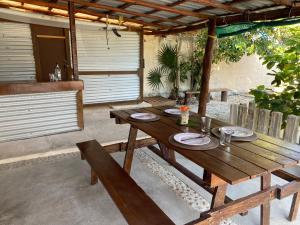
264, 121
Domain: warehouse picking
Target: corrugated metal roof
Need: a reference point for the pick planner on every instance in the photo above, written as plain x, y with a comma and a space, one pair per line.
179, 13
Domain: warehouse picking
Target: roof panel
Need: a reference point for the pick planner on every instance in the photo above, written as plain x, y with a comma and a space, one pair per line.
188, 19
164, 14
112, 3
139, 8
189, 6
254, 4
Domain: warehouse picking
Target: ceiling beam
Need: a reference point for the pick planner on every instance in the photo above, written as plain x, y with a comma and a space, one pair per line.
179, 2
218, 5
283, 2
111, 8
167, 8
89, 12
274, 14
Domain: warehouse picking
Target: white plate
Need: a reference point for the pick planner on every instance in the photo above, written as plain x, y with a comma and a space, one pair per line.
143, 116
239, 131
173, 111
193, 139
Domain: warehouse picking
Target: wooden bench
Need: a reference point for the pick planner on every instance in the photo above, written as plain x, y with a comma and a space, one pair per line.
224, 94
135, 205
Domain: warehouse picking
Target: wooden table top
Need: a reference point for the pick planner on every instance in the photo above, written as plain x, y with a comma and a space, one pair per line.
243, 161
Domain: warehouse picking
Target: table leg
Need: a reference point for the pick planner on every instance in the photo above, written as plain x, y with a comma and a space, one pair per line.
265, 183
130, 149
167, 153
219, 196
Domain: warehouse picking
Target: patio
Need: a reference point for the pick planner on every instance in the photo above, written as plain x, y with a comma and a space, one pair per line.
59, 183
74, 113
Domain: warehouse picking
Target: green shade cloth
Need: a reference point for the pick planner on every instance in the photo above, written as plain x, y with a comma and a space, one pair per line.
239, 28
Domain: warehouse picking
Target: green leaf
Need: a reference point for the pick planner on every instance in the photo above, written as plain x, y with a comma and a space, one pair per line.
154, 78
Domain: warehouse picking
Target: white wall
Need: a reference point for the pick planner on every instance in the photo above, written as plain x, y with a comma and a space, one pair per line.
241, 76
152, 45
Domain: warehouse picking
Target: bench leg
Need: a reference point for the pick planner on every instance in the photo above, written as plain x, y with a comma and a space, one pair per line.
265, 183
224, 96
294, 207
130, 149
94, 177
82, 156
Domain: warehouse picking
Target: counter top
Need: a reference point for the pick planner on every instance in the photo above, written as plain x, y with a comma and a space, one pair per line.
39, 87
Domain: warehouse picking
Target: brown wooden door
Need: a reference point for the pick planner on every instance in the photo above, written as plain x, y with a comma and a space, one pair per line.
51, 46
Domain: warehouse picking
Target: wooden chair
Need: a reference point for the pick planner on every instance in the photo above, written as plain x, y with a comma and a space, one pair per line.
135, 205
269, 123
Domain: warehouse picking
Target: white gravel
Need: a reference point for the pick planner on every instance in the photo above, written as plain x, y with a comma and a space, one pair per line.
220, 110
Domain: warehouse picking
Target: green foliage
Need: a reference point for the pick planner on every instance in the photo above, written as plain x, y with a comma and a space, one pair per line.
285, 64
233, 48
169, 67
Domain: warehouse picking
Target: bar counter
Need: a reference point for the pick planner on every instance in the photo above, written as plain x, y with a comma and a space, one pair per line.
32, 109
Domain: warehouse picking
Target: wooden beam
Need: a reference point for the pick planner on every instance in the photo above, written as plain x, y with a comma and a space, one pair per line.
121, 146
210, 7
170, 5
114, 9
84, 11
230, 209
123, 6
226, 20
283, 2
219, 5
71, 12
207, 63
167, 8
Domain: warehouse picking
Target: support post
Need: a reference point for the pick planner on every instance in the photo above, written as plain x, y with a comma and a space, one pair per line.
71, 11
207, 62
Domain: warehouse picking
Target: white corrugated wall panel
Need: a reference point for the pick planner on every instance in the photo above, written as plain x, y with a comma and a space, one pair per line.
16, 52
110, 88
94, 55
32, 115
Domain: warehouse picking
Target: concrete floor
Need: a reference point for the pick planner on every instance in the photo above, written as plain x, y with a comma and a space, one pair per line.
56, 191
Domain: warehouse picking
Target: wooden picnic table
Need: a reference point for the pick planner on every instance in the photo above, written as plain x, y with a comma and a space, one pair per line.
222, 166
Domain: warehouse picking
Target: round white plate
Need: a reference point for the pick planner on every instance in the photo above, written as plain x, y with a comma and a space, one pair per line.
239, 131
173, 111
143, 116
193, 139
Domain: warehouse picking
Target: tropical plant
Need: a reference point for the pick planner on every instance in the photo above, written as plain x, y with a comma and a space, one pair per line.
170, 68
284, 96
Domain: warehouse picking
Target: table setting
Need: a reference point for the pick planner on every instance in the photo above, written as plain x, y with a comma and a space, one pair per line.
207, 138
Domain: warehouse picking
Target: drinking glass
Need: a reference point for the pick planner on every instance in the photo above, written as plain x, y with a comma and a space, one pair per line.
205, 124
225, 136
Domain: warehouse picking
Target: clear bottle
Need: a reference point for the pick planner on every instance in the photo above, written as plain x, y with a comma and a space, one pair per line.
57, 72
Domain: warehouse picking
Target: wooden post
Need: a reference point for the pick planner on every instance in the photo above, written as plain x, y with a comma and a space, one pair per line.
292, 129
207, 62
142, 66
263, 121
234, 109
242, 115
275, 124
71, 11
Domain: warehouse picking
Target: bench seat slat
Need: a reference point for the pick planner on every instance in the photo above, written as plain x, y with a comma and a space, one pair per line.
135, 205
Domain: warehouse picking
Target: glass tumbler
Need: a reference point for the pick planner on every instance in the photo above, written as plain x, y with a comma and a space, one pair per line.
225, 136
205, 124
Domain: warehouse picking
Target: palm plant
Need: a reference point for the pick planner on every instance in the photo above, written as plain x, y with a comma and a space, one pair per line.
169, 67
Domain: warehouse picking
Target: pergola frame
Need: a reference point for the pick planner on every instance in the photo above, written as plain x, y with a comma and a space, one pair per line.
161, 25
